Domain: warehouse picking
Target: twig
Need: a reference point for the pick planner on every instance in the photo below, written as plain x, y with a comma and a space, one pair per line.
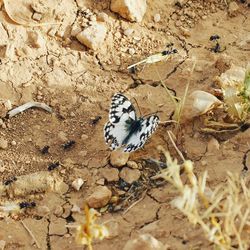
31, 234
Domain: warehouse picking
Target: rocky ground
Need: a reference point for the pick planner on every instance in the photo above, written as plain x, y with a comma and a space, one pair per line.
46, 55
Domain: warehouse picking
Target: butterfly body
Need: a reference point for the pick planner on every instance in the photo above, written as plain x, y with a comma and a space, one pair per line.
124, 129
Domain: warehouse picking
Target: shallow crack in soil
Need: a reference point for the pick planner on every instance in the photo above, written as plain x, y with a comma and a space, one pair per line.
48, 236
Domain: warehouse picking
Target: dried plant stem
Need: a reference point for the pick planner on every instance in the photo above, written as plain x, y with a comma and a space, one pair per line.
135, 203
176, 148
31, 234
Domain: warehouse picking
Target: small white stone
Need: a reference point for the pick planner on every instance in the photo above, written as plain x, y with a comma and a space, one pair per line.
131, 51
157, 18
84, 137
76, 209
37, 16
77, 183
13, 143
128, 32
93, 36
130, 9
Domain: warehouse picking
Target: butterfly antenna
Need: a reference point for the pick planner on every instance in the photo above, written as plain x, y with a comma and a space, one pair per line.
138, 107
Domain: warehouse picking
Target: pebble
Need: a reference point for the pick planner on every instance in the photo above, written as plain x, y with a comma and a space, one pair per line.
3, 143
100, 197
100, 181
13, 143
132, 164
118, 158
76, 209
84, 137
213, 145
77, 183
58, 211
185, 32
157, 18
145, 242
113, 228
93, 36
37, 16
82, 153
102, 17
128, 32
130, 175
131, 51
130, 10
110, 174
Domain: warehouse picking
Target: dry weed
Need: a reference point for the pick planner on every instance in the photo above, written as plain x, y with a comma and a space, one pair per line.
223, 213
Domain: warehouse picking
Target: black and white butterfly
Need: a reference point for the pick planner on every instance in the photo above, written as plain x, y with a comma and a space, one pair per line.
124, 129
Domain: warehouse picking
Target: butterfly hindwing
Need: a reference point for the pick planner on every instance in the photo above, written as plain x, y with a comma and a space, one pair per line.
115, 134
138, 139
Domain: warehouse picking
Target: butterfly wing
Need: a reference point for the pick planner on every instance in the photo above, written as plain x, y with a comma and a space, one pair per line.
121, 109
138, 138
115, 134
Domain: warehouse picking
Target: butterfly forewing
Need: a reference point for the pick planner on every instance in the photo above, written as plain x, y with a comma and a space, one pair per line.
121, 109
138, 139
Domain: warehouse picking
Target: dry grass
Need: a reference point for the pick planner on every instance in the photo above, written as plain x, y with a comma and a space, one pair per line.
223, 213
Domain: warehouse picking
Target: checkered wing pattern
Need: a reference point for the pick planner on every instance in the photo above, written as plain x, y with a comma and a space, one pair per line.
117, 131
138, 139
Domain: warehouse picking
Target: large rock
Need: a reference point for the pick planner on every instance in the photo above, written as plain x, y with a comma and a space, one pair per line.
100, 197
93, 36
144, 242
130, 9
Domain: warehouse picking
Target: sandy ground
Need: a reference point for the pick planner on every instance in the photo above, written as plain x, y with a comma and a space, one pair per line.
78, 84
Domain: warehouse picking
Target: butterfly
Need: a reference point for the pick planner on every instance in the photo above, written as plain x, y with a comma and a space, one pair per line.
124, 128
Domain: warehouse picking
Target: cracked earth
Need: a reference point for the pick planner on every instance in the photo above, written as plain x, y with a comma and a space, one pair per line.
78, 83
